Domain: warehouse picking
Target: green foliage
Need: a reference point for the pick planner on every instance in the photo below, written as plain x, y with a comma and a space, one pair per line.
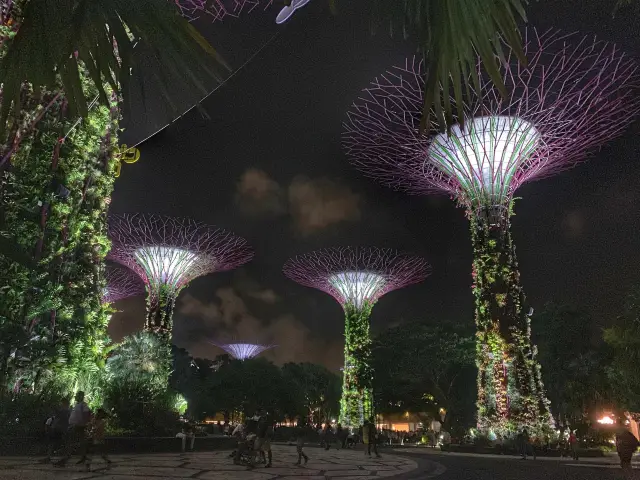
313, 392
624, 340
510, 389
246, 385
24, 414
356, 403
421, 368
143, 359
58, 38
574, 366
452, 34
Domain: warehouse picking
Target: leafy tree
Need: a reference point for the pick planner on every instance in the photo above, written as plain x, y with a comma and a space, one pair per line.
624, 340
141, 358
422, 368
311, 391
573, 362
243, 386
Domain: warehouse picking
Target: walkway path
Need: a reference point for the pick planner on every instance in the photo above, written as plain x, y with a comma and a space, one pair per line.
323, 465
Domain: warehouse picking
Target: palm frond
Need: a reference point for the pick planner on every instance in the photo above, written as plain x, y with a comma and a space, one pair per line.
56, 36
452, 34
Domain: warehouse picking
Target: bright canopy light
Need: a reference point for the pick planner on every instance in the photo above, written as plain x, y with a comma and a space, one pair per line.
243, 351
574, 94
357, 287
166, 265
485, 154
355, 275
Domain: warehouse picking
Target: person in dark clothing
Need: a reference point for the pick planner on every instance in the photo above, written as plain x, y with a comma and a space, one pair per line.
56, 429
525, 445
373, 437
300, 437
342, 434
263, 440
626, 444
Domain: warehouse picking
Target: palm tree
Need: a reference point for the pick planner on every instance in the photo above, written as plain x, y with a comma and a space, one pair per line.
54, 40
56, 36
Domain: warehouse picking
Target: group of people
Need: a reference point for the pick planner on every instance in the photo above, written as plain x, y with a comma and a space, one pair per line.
76, 430
254, 441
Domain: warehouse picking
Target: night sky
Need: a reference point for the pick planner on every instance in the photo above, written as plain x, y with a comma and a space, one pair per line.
268, 165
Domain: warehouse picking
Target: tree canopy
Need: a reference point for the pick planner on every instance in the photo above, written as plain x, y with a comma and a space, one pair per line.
423, 368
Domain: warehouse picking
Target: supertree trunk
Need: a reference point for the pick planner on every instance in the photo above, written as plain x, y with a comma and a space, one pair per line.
510, 391
356, 403
160, 306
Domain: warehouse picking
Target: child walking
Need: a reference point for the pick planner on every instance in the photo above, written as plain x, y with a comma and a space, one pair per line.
96, 440
300, 434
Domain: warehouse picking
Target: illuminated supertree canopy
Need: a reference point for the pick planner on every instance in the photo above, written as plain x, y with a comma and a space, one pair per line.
243, 351
167, 253
121, 283
356, 278
573, 95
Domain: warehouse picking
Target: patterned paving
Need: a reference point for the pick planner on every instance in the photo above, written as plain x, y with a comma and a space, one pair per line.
323, 465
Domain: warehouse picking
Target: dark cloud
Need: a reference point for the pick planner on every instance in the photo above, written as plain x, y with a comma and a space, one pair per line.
316, 204
229, 318
258, 194
313, 204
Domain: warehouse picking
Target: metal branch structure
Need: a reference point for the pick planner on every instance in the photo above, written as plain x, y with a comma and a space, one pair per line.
167, 253
356, 278
573, 95
121, 283
217, 10
243, 351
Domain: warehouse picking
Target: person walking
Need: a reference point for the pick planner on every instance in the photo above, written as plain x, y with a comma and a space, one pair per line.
78, 421
626, 445
373, 437
300, 437
96, 442
525, 445
341, 434
573, 445
57, 426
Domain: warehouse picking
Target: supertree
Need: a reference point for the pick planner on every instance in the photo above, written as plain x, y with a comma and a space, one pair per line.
356, 278
243, 351
573, 95
167, 253
121, 283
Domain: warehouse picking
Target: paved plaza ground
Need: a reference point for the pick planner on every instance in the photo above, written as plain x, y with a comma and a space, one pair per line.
323, 465
399, 464
463, 466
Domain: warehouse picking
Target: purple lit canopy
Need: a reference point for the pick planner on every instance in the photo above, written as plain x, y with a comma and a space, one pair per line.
575, 94
121, 283
243, 351
167, 252
354, 275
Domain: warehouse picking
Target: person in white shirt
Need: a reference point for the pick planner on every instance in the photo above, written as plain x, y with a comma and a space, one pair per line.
78, 420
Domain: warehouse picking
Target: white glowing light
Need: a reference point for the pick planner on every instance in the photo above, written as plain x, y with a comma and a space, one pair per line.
243, 351
485, 154
606, 420
357, 287
165, 265
288, 10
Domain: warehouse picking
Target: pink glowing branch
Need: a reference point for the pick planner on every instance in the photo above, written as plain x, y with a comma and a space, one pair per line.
121, 283
356, 275
574, 95
217, 10
167, 253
